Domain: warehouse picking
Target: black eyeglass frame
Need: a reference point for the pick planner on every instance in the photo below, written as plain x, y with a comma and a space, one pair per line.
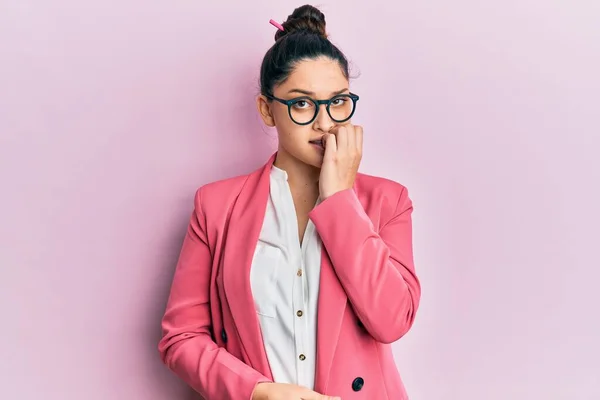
289, 103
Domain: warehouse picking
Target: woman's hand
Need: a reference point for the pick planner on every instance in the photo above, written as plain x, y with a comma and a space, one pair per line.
343, 153
284, 391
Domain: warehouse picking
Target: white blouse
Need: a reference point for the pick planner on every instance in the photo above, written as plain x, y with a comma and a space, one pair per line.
285, 285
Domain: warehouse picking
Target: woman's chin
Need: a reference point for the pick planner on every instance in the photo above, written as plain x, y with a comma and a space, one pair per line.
314, 160
317, 163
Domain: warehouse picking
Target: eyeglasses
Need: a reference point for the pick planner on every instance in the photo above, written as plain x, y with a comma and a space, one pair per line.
304, 110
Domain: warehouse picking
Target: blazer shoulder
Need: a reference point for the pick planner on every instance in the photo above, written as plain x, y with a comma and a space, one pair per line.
219, 194
380, 186
389, 197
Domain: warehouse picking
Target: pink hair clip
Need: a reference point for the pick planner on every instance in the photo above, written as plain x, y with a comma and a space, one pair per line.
277, 25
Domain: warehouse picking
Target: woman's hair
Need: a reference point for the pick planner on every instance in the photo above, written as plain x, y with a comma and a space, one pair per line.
304, 38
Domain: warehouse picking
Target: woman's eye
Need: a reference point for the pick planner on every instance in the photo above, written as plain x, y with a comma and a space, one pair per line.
302, 104
338, 101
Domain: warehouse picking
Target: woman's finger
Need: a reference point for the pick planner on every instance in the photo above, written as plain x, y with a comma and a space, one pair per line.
342, 138
359, 138
331, 145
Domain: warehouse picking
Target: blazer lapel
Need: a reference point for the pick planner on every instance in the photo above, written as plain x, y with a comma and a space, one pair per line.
242, 235
330, 312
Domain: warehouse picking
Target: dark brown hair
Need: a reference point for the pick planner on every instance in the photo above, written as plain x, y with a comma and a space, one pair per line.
304, 38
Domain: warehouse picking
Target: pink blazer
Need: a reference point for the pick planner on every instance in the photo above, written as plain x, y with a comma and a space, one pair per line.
368, 297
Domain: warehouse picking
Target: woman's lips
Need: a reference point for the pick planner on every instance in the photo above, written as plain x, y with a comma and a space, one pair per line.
318, 142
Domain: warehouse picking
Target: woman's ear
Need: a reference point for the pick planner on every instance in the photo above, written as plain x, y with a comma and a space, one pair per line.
264, 109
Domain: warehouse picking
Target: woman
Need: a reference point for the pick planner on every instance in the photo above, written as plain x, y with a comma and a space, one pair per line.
293, 280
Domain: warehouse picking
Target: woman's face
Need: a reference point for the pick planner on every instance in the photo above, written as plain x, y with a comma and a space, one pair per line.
319, 79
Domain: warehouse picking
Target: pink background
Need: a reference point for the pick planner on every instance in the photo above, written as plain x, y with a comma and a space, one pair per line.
113, 112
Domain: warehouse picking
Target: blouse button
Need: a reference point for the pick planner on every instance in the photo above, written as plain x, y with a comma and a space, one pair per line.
299, 313
302, 357
299, 273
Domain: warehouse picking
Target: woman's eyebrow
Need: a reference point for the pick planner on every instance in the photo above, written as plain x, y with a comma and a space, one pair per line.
309, 93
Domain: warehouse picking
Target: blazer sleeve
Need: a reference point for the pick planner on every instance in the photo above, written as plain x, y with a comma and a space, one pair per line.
186, 346
376, 269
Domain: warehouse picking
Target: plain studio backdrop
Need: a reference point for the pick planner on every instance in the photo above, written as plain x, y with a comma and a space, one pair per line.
112, 113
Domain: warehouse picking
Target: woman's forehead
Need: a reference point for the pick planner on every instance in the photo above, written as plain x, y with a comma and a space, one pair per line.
322, 77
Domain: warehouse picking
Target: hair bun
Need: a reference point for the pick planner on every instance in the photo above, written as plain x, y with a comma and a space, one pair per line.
306, 18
